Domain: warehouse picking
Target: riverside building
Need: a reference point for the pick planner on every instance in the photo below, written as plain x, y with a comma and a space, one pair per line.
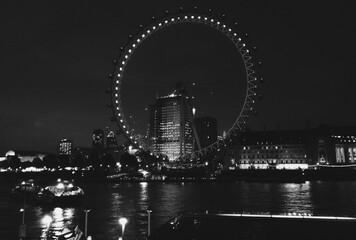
294, 149
334, 144
286, 149
170, 129
98, 139
111, 142
65, 147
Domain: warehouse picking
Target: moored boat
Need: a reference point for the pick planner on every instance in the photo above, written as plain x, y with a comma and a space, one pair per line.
26, 189
63, 192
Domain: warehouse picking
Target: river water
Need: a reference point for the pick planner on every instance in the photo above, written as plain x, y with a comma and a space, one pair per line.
110, 201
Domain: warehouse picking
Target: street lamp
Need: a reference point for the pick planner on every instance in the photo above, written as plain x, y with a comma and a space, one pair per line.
23, 215
86, 222
123, 222
22, 229
149, 210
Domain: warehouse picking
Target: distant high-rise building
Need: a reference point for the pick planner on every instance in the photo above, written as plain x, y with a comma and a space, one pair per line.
170, 129
65, 147
111, 142
98, 139
207, 130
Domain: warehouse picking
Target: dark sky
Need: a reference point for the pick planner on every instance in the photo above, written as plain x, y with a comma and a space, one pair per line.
55, 57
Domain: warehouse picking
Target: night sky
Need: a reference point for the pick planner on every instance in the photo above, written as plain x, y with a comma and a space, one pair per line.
55, 57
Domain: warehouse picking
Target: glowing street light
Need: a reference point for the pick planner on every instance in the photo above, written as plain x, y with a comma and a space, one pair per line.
23, 215
22, 229
123, 222
47, 221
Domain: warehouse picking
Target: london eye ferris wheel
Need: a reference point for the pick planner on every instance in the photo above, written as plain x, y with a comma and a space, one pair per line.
252, 81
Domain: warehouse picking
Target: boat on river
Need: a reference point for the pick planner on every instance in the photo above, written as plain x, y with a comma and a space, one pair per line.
63, 192
26, 189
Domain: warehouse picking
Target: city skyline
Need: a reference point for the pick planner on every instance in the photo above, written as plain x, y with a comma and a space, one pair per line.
56, 58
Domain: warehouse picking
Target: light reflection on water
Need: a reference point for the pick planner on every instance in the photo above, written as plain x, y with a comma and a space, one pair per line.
109, 202
61, 218
295, 194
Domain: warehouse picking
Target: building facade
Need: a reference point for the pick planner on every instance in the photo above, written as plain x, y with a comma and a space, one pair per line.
170, 129
111, 142
98, 139
65, 147
24, 156
294, 149
334, 145
286, 149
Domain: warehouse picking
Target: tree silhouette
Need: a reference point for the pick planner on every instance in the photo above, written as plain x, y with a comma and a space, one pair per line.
64, 160
78, 161
14, 162
108, 160
4, 164
94, 160
148, 158
50, 161
37, 162
128, 162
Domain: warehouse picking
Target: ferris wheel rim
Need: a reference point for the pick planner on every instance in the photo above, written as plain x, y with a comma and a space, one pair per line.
174, 19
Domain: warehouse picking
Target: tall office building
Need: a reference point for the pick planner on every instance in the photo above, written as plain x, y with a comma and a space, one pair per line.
207, 130
98, 139
65, 147
170, 128
111, 142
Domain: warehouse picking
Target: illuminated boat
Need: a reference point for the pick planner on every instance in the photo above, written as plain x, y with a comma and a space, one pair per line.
64, 192
26, 189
